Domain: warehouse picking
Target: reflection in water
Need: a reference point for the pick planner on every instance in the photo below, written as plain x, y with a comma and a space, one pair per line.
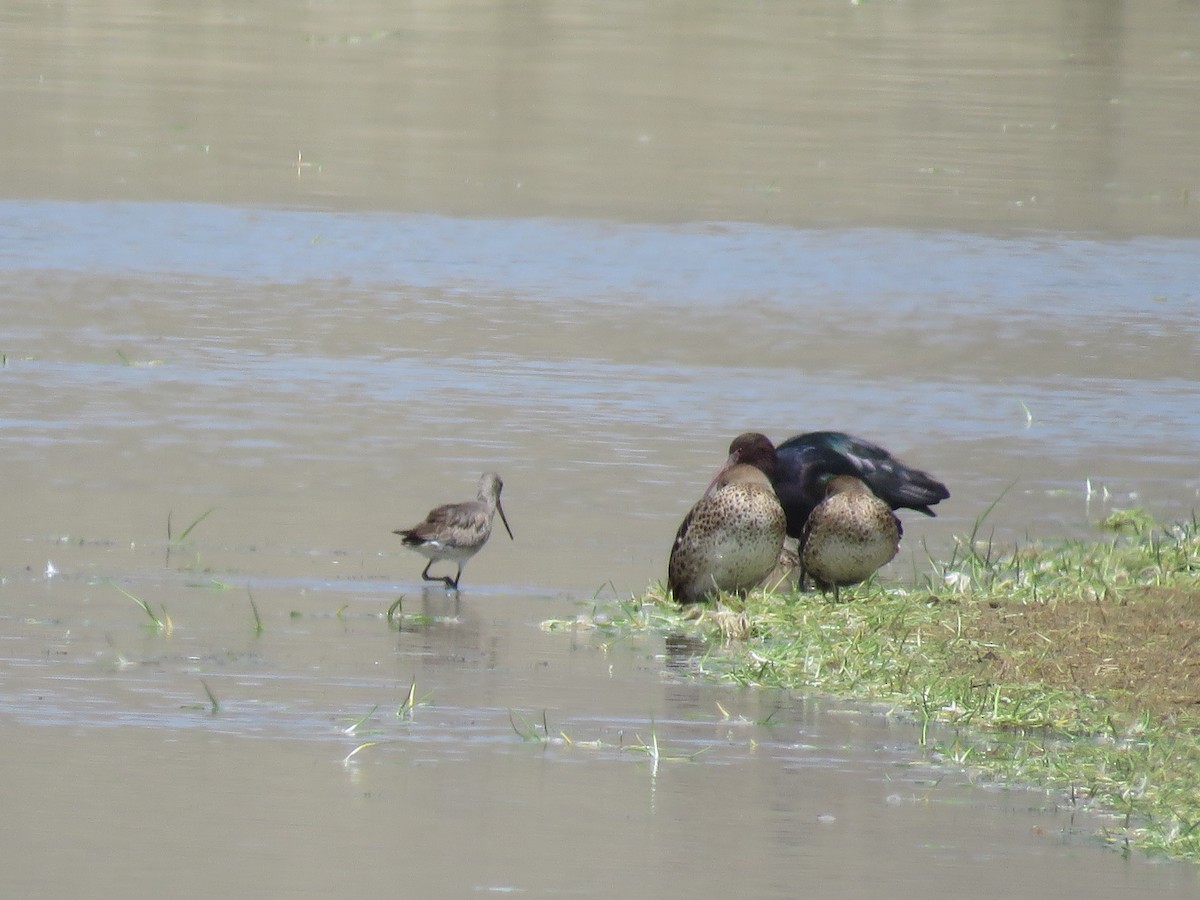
683, 651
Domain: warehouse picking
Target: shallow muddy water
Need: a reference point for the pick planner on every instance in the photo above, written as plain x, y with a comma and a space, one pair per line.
314, 267
124, 778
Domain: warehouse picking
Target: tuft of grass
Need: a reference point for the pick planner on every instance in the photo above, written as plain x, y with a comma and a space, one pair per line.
411, 702
163, 625
528, 732
1069, 665
395, 611
174, 542
171, 539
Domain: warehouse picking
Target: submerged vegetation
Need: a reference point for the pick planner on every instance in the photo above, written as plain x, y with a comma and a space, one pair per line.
1072, 666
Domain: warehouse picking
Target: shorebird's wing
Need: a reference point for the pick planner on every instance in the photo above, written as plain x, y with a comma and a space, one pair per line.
454, 523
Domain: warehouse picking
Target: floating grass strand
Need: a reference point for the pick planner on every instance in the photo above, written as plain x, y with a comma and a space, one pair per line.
655, 752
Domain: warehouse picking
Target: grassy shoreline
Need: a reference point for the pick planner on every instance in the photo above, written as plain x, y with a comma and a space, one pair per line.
1073, 666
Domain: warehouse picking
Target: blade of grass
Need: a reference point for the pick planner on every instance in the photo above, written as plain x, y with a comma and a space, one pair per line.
258, 622
354, 726
212, 699
395, 610
183, 537
158, 623
410, 702
349, 756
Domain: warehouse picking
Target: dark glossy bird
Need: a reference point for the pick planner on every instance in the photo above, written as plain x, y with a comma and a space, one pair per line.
849, 535
731, 538
457, 531
805, 463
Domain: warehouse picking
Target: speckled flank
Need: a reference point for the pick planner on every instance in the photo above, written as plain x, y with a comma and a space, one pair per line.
731, 538
848, 536
457, 531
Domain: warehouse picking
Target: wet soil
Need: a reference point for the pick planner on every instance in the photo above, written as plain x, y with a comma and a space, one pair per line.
1141, 653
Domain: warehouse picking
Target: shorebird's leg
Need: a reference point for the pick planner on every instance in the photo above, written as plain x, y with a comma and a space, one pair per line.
425, 574
457, 575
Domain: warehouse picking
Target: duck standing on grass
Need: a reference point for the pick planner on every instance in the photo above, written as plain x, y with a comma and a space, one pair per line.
731, 538
848, 536
457, 531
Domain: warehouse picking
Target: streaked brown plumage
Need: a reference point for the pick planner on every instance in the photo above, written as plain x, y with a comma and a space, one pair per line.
848, 536
731, 538
457, 531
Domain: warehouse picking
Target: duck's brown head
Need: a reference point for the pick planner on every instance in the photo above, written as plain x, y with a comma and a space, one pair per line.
751, 459
753, 449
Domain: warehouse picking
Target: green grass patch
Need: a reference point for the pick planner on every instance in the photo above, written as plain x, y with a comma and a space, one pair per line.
1072, 666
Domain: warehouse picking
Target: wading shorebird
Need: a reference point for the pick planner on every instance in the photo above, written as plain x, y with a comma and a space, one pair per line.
731, 538
849, 535
806, 462
457, 531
